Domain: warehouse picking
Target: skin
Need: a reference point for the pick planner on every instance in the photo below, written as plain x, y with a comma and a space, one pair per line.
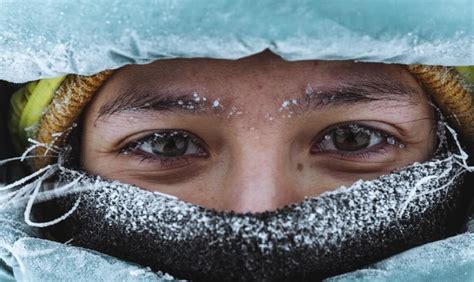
259, 155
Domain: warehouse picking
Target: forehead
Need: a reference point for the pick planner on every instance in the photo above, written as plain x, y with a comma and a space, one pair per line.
257, 84
264, 70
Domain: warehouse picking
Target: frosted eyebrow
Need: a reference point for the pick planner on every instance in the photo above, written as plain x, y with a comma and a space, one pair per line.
361, 92
347, 94
162, 99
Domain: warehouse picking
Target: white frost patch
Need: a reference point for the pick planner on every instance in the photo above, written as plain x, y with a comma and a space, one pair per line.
234, 111
309, 91
138, 272
216, 104
289, 107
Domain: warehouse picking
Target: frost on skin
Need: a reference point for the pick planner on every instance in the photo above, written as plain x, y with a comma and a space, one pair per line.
216, 104
292, 106
234, 111
285, 106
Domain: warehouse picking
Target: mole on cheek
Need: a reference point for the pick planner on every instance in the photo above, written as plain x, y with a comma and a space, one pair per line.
299, 167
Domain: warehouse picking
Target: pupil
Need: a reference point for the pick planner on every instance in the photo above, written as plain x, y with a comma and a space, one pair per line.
347, 140
171, 146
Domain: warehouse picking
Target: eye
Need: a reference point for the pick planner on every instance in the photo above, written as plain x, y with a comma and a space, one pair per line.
167, 144
354, 138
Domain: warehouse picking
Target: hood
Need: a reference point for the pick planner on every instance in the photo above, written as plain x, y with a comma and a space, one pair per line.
56, 38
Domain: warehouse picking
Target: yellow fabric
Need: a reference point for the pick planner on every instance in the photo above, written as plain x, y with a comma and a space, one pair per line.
468, 73
58, 119
28, 105
452, 93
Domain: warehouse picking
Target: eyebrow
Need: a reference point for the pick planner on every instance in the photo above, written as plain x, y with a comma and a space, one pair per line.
361, 91
378, 88
160, 99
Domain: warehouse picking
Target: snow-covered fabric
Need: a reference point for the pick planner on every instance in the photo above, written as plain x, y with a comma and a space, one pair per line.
446, 260
54, 38
333, 233
25, 257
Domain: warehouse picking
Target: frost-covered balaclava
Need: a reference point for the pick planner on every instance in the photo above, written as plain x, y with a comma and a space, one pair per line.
322, 236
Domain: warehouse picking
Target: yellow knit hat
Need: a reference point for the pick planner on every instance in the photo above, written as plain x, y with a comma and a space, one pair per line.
44, 110
452, 94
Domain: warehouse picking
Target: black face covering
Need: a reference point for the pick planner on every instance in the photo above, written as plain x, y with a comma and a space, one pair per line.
322, 236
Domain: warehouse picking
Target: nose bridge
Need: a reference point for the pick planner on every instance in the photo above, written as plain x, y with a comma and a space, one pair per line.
259, 178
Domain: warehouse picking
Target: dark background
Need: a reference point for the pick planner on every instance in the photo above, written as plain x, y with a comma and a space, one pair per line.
10, 171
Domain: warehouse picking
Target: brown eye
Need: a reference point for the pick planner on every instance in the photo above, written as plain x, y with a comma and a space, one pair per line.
168, 145
346, 139
351, 138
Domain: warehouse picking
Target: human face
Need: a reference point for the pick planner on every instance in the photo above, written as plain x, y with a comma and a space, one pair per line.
258, 133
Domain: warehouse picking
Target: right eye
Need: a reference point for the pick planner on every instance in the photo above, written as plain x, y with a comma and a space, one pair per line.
168, 144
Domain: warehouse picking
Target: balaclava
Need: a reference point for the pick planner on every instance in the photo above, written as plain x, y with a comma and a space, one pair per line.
335, 232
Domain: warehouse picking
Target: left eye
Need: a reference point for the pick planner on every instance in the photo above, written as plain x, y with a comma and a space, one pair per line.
169, 145
352, 138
